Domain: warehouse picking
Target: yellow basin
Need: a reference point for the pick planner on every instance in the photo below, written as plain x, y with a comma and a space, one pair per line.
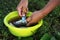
22, 32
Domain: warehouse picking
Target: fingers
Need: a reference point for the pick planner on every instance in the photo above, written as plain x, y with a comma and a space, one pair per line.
19, 10
22, 10
30, 23
29, 20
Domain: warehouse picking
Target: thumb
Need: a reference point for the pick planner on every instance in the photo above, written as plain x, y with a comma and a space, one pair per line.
28, 19
19, 11
29, 23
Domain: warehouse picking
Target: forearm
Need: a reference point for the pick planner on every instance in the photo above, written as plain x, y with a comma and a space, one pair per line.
23, 1
50, 6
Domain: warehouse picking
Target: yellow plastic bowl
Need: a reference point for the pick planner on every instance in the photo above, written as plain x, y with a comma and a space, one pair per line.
22, 32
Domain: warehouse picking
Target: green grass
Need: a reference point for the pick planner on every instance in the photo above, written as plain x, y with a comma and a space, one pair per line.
51, 21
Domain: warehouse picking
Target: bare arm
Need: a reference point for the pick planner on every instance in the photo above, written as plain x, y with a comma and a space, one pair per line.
50, 6
38, 15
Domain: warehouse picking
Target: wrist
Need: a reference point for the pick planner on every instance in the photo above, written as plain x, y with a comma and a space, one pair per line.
42, 13
50, 6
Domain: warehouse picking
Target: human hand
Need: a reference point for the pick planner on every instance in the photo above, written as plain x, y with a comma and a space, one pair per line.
35, 18
22, 7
